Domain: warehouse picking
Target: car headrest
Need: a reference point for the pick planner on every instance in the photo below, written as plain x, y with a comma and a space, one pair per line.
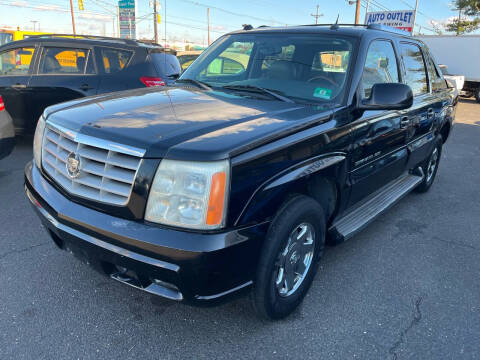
282, 69
51, 65
81, 64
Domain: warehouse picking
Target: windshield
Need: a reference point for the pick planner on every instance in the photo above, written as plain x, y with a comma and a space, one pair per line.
309, 68
5, 38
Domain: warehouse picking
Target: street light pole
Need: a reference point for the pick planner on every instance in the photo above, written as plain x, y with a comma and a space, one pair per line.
73, 18
208, 26
366, 12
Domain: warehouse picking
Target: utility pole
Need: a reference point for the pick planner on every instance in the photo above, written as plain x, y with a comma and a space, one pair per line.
208, 26
316, 15
155, 21
73, 18
34, 23
118, 21
415, 16
357, 12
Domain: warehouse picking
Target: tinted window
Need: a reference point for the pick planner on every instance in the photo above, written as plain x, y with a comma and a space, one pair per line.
16, 61
166, 64
186, 60
5, 38
435, 77
380, 66
416, 75
115, 60
305, 68
57, 60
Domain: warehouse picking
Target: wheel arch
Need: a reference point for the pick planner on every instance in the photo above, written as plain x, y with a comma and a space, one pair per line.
321, 178
445, 131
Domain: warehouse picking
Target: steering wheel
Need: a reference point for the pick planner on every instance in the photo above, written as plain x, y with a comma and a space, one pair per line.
323, 78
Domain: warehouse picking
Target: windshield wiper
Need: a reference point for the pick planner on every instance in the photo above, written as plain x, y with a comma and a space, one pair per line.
253, 88
200, 84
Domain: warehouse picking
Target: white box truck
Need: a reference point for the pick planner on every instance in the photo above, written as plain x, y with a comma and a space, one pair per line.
460, 55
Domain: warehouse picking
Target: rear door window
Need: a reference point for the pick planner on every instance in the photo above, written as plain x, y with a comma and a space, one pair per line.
435, 76
66, 61
166, 64
16, 61
415, 72
115, 60
380, 66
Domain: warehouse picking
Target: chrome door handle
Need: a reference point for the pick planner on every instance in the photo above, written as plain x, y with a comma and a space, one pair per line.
19, 86
85, 87
404, 122
430, 113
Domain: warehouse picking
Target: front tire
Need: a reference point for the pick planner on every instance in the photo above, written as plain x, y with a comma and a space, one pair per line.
289, 258
430, 167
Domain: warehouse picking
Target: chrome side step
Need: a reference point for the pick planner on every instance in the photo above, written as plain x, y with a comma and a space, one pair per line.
365, 212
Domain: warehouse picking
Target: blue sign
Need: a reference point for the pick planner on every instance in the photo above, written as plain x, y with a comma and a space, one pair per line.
126, 18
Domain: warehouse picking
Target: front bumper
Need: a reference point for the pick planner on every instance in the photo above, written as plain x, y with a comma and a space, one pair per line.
179, 265
6, 146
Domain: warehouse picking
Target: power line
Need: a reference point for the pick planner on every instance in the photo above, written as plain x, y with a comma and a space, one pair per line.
56, 8
232, 12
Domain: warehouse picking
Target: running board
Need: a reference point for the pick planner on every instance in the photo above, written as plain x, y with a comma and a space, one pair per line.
365, 212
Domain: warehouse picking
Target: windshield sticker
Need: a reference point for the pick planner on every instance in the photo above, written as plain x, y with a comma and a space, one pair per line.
323, 93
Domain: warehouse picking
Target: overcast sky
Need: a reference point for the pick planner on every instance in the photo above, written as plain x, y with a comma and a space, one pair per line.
186, 19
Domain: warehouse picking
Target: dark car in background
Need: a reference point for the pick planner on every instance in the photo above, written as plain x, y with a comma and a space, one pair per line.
186, 58
47, 70
7, 134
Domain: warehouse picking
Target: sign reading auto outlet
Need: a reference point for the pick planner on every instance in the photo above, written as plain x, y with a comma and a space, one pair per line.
400, 19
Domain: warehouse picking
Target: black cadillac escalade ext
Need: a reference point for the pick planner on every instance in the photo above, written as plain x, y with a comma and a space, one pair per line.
274, 142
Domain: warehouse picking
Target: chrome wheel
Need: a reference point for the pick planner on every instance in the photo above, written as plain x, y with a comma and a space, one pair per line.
295, 260
432, 164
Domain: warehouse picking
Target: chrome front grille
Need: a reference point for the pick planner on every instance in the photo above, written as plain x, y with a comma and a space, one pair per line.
106, 171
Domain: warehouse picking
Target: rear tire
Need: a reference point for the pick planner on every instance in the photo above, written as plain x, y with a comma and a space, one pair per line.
289, 259
430, 167
477, 94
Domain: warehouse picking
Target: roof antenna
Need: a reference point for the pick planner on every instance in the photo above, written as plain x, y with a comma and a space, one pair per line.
335, 26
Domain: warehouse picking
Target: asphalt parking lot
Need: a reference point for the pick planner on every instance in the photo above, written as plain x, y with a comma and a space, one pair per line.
405, 288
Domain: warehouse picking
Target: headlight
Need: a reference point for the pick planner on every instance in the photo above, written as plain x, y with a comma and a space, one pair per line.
37, 142
189, 194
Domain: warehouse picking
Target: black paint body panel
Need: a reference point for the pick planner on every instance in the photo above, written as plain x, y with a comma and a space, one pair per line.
276, 149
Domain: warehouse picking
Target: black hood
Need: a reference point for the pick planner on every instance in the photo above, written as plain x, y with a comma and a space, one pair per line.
181, 123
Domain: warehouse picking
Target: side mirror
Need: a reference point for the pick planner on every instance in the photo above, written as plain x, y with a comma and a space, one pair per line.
388, 96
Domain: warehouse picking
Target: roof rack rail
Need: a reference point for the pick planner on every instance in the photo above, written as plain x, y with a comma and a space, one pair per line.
332, 25
91, 37
368, 26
